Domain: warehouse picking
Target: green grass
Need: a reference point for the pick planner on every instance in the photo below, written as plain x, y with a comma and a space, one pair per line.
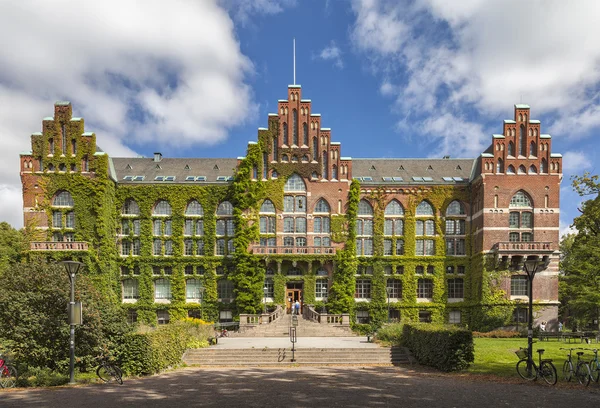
497, 356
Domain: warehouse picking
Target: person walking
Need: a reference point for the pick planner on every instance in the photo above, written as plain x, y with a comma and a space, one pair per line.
297, 307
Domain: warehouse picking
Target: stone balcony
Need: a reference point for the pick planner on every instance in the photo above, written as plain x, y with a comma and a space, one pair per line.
295, 250
58, 246
507, 248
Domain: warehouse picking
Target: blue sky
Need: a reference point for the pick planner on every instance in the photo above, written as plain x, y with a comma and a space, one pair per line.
422, 78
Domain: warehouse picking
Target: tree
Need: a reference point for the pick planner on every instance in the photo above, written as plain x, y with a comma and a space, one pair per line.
33, 317
580, 264
13, 244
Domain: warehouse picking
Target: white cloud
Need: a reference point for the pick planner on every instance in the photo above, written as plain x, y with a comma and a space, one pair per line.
244, 10
332, 53
137, 72
575, 162
484, 55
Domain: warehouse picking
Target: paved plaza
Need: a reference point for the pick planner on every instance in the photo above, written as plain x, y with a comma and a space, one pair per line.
313, 387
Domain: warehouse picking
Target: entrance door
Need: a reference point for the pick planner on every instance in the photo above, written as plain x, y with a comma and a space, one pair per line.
293, 293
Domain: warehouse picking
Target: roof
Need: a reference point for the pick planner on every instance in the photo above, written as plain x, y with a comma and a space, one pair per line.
412, 171
203, 170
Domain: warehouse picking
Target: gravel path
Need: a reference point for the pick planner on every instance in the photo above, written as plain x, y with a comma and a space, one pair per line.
307, 387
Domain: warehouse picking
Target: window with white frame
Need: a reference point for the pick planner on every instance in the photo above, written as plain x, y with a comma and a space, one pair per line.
162, 289
269, 288
162, 316
521, 218
394, 288
321, 287
454, 317
363, 289
225, 230
193, 290
519, 285
364, 229
130, 289
455, 228
456, 288
425, 289
425, 227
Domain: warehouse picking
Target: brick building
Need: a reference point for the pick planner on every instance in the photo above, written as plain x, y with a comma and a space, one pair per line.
419, 239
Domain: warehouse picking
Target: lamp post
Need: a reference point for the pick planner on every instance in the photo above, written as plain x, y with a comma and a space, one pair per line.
388, 290
531, 266
72, 267
265, 290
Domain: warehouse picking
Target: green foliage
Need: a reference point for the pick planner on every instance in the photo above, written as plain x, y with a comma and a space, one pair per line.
391, 333
33, 303
154, 349
41, 377
13, 244
446, 348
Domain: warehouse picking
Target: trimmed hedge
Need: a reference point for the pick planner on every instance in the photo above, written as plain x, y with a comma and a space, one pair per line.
447, 348
154, 349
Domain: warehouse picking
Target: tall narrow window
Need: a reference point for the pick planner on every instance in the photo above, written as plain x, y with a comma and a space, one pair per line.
455, 229
325, 164
522, 141
64, 139
315, 147
275, 152
305, 134
364, 229
285, 135
520, 218
295, 127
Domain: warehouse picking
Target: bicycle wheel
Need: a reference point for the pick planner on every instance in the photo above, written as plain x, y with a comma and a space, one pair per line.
548, 372
8, 377
583, 373
118, 374
568, 370
522, 370
595, 369
104, 373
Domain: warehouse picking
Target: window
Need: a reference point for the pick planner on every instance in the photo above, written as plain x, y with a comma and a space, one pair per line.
425, 288
131, 316
225, 289
425, 227
362, 317
363, 289
364, 208
162, 316
194, 208
188, 247
63, 199
130, 289
130, 208
269, 288
321, 225
225, 228
394, 288
294, 183
425, 247
321, 288
267, 207
125, 247
455, 229
519, 285
193, 290
157, 247
225, 208
57, 219
520, 314
455, 288
520, 219
322, 206
162, 289
162, 208
364, 229
454, 317
267, 225
424, 208
424, 316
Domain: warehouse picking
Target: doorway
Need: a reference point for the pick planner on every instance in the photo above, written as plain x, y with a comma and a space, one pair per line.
293, 293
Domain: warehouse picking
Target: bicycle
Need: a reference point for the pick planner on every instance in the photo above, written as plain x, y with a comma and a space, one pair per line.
222, 333
595, 366
528, 370
8, 374
582, 369
107, 371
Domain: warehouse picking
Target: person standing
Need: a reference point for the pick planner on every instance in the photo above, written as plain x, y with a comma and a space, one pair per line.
297, 307
560, 326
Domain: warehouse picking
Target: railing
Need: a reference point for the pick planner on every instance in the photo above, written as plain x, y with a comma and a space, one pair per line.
256, 319
523, 246
342, 319
270, 250
59, 246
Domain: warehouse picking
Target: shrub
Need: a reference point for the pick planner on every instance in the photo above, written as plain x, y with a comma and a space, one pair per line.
447, 348
41, 377
153, 349
391, 333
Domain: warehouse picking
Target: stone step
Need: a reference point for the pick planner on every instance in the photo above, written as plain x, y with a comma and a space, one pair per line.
309, 356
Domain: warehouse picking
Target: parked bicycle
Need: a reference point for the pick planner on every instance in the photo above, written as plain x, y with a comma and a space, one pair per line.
581, 370
8, 374
108, 371
222, 333
528, 370
595, 366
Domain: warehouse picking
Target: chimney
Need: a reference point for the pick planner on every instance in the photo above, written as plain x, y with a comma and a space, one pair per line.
157, 157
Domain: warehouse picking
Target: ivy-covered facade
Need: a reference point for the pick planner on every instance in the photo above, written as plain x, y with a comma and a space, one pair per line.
439, 240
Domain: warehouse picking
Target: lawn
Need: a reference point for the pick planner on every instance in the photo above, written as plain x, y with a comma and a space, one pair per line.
497, 356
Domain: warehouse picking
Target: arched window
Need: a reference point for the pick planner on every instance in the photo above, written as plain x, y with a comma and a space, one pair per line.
225, 208
520, 199
532, 169
522, 141
294, 183
286, 140
532, 149
394, 208
393, 229
455, 208
322, 206
130, 207
364, 208
305, 134
295, 127
500, 166
455, 229
424, 208
63, 199
275, 141
544, 166
267, 207
511, 149
522, 169
510, 169
334, 172
162, 207
194, 208
315, 147
521, 218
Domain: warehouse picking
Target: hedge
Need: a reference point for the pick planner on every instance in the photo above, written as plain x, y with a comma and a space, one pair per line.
151, 350
447, 348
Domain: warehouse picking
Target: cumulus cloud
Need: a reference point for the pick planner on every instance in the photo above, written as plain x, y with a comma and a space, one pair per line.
244, 10
575, 162
482, 56
332, 53
137, 72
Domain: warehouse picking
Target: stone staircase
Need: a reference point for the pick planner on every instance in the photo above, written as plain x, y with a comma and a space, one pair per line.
305, 328
383, 356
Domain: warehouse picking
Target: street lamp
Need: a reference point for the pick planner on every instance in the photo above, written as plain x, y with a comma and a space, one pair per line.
531, 267
388, 290
265, 290
72, 267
